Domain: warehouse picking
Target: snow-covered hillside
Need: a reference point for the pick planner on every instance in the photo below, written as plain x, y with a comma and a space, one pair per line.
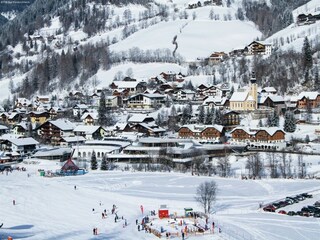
293, 36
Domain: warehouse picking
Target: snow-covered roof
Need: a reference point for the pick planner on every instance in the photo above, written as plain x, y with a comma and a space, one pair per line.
126, 84
81, 106
310, 95
63, 124
138, 118
86, 129
94, 115
152, 127
51, 152
252, 131
2, 127
239, 96
23, 141
201, 128
269, 89
74, 139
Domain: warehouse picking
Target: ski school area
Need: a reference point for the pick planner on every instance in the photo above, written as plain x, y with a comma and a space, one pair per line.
177, 225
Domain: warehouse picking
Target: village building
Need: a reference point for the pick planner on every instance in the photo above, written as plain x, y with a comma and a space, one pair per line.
259, 48
89, 132
90, 118
79, 109
21, 146
52, 131
201, 131
145, 101
39, 117
260, 138
184, 95
245, 99
216, 57
132, 87
308, 100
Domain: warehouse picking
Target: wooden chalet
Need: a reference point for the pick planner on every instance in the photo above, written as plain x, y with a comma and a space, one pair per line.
201, 131
52, 131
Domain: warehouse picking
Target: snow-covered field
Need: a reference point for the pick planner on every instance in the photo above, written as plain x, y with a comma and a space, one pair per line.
50, 208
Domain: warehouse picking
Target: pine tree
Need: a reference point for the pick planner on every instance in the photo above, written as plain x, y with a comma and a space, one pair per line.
103, 119
185, 116
273, 119
289, 122
208, 118
307, 55
201, 116
94, 163
104, 165
218, 117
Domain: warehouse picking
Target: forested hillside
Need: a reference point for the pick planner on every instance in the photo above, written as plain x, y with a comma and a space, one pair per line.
56, 44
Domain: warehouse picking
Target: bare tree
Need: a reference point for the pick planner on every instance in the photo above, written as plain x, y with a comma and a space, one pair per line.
285, 165
273, 164
206, 195
302, 173
224, 165
255, 166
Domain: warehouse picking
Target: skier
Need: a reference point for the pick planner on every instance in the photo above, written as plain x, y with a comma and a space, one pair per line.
75, 187
14, 202
1, 225
136, 221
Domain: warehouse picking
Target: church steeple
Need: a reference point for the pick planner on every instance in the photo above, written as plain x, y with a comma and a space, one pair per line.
254, 89
253, 78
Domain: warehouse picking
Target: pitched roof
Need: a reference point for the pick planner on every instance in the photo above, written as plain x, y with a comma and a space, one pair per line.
63, 124
138, 118
87, 129
310, 95
69, 165
201, 128
23, 141
239, 96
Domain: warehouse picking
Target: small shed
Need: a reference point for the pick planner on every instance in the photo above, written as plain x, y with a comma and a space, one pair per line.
188, 211
163, 211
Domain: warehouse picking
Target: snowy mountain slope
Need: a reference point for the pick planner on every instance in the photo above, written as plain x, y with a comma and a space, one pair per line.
292, 37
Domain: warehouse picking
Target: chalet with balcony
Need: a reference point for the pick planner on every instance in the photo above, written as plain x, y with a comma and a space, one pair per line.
231, 119
21, 146
89, 132
149, 129
184, 95
216, 57
79, 109
112, 102
271, 101
132, 87
90, 118
260, 138
259, 48
145, 101
201, 131
39, 117
55, 112
52, 131
308, 99
21, 128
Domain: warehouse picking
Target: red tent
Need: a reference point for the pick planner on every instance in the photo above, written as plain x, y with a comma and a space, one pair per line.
69, 166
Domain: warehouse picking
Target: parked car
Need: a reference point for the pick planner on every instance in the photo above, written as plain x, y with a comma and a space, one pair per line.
269, 208
306, 195
317, 204
294, 199
300, 197
282, 212
316, 215
290, 200
313, 209
291, 213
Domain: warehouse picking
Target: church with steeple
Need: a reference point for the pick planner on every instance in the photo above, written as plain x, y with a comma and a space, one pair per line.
245, 99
